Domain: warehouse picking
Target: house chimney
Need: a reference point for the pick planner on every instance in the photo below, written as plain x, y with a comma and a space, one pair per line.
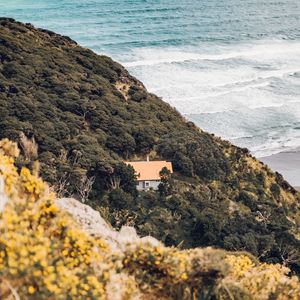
148, 159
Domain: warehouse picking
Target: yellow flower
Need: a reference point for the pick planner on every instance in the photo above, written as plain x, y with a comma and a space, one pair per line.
184, 276
31, 289
37, 273
23, 252
45, 248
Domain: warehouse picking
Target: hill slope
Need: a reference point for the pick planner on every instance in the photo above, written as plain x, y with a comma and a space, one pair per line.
46, 254
88, 115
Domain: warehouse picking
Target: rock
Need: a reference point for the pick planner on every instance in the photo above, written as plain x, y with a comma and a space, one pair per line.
127, 235
3, 197
151, 241
91, 221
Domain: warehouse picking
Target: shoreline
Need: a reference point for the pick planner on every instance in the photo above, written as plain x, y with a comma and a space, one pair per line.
287, 164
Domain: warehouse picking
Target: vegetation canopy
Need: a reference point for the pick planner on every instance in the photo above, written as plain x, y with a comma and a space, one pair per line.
88, 115
45, 254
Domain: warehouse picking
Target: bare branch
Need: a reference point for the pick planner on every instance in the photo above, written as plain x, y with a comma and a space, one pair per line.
29, 147
10, 292
288, 254
263, 216
115, 182
61, 188
84, 187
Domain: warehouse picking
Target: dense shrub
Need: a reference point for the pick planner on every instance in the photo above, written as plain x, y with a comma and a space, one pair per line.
248, 199
45, 254
68, 99
192, 152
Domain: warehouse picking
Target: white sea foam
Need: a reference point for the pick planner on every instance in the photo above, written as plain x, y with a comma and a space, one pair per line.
287, 143
269, 49
238, 91
227, 91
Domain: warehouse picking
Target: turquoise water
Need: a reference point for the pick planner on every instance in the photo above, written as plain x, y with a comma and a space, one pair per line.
233, 67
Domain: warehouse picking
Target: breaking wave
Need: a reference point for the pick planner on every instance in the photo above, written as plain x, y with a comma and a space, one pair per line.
247, 92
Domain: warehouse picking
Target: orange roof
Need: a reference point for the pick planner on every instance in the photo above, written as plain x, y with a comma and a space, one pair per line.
149, 170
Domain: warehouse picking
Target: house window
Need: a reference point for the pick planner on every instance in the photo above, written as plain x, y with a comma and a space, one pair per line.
146, 184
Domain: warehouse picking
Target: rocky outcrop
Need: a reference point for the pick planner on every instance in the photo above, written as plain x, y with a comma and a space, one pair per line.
92, 222
3, 197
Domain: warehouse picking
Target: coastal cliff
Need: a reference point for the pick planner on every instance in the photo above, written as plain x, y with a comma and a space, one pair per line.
88, 115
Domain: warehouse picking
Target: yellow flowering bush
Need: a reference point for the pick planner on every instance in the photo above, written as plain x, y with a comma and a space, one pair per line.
252, 280
208, 274
44, 254
175, 274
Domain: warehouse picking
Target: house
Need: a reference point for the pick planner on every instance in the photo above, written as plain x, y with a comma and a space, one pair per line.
148, 172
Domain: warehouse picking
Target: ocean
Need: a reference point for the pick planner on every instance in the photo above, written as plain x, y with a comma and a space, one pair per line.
230, 66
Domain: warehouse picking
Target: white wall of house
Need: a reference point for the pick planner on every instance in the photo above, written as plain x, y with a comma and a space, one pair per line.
147, 185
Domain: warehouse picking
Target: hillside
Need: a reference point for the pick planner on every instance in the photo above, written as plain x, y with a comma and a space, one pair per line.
88, 115
48, 252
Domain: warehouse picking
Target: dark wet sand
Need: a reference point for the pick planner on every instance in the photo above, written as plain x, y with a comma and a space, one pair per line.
287, 164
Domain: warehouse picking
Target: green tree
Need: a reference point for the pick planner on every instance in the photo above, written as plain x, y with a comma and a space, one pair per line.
124, 177
165, 185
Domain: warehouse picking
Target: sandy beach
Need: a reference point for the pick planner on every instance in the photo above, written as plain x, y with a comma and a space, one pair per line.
287, 164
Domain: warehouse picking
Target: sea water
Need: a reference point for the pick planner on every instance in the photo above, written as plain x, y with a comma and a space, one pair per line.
231, 66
